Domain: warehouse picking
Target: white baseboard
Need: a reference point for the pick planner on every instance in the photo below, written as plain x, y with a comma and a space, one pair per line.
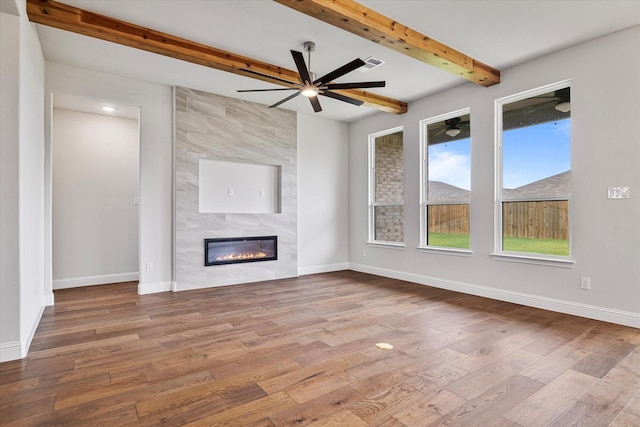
77, 282
14, 350
49, 299
152, 288
567, 307
303, 271
11, 350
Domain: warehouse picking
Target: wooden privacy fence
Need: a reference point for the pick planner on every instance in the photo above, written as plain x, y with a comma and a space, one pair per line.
448, 219
536, 220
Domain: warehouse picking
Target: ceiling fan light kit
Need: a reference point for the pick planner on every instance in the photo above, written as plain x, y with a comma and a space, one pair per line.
310, 87
309, 90
453, 128
452, 132
563, 107
564, 99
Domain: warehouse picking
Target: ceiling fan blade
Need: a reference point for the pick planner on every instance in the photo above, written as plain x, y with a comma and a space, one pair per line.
266, 90
284, 100
315, 103
246, 70
298, 58
342, 98
359, 85
339, 72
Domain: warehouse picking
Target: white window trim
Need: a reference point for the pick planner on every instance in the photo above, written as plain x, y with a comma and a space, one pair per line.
443, 250
385, 244
372, 204
424, 174
523, 257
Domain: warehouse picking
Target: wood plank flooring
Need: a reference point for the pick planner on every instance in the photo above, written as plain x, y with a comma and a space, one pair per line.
301, 352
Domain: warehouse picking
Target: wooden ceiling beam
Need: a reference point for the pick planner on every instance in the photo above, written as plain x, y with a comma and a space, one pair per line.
364, 22
69, 18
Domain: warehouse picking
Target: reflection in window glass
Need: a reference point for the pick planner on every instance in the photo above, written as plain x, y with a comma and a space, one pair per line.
448, 182
536, 173
387, 200
389, 222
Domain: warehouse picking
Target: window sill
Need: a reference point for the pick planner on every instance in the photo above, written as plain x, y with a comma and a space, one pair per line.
445, 251
532, 259
390, 245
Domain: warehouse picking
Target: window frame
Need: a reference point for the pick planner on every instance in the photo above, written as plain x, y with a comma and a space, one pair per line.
424, 187
526, 257
372, 204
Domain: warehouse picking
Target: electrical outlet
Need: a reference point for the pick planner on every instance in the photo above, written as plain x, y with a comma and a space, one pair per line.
136, 200
364, 252
585, 283
230, 191
149, 266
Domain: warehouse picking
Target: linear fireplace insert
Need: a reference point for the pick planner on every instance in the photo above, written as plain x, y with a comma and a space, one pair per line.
232, 250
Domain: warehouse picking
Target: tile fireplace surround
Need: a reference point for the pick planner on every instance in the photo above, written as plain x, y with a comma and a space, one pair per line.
215, 127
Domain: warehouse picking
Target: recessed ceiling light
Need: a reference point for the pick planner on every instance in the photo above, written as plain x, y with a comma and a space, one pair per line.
108, 108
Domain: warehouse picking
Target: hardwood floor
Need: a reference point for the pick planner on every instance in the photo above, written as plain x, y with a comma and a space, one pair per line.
303, 352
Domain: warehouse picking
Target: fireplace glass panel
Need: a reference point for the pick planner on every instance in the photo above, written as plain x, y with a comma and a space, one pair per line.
240, 249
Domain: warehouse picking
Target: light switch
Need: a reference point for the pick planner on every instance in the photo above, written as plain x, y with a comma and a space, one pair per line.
618, 193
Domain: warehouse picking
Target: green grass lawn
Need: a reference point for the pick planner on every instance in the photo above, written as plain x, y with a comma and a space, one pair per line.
449, 240
511, 244
536, 246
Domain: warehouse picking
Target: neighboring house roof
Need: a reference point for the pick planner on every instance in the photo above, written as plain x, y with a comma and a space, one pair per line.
555, 186
440, 191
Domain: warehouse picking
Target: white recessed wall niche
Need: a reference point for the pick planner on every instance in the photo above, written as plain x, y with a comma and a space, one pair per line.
238, 187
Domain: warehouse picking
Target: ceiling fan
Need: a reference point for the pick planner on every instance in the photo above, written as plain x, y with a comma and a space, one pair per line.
452, 127
560, 100
311, 87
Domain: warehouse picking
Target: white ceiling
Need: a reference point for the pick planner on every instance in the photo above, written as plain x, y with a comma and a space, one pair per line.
500, 33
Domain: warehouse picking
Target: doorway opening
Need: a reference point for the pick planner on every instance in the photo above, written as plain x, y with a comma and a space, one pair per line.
95, 192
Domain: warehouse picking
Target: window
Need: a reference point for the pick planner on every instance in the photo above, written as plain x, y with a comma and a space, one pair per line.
534, 172
386, 187
446, 181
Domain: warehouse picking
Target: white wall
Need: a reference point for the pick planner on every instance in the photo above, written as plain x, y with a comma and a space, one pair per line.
605, 93
11, 7
156, 157
9, 237
31, 178
323, 195
95, 180
22, 295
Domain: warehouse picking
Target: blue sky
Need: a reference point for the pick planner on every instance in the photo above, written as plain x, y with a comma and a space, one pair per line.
529, 154
450, 162
535, 152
